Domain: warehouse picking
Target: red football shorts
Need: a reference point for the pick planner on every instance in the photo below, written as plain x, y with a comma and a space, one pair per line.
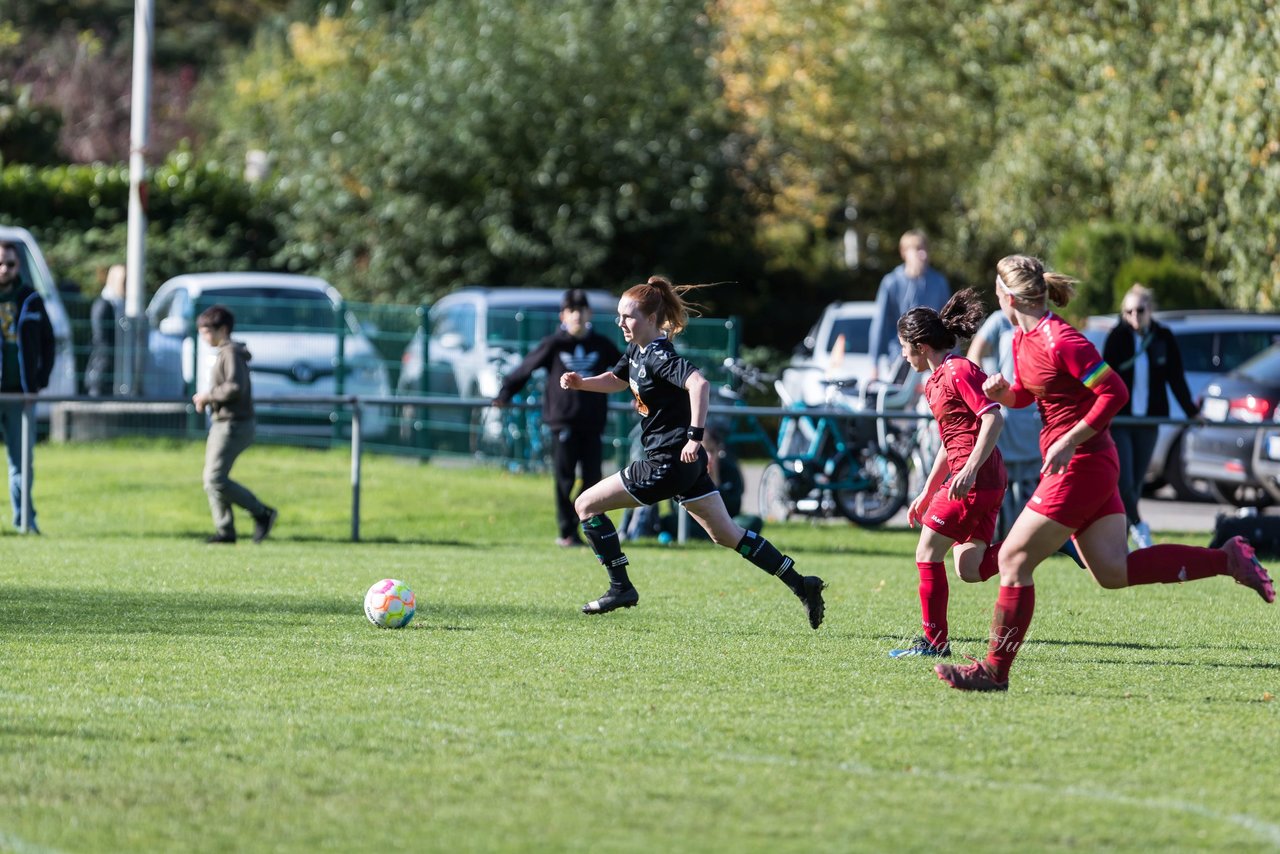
1088, 490
971, 518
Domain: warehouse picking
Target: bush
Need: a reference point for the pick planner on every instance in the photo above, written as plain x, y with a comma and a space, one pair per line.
1177, 284
199, 218
1095, 252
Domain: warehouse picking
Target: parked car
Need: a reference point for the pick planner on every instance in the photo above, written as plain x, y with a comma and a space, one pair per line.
35, 271
836, 348
291, 326
477, 335
1240, 464
1212, 343
475, 330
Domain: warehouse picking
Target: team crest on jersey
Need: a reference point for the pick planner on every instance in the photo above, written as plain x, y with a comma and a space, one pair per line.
640, 407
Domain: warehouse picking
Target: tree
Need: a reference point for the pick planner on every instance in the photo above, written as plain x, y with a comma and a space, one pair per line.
565, 143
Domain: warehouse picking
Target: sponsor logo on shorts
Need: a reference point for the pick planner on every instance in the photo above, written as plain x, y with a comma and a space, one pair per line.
1037, 499
936, 519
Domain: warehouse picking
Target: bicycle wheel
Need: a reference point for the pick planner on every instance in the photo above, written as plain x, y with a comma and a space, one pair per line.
773, 502
885, 474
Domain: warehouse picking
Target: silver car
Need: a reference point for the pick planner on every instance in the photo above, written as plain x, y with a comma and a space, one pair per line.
291, 326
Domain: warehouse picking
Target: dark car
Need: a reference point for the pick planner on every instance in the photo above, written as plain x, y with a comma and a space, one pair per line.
1212, 344
1240, 464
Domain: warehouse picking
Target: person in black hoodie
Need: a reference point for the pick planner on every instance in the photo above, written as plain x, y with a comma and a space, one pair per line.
576, 419
1145, 354
26, 336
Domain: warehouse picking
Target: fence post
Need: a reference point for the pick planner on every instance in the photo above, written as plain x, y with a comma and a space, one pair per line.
357, 454
28, 437
422, 438
340, 366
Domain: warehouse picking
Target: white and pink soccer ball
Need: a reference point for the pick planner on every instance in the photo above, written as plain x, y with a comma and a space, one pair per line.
389, 604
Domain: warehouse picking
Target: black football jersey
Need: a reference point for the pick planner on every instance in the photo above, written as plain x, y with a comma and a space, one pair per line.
657, 374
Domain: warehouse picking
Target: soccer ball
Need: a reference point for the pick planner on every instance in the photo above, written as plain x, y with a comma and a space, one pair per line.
389, 604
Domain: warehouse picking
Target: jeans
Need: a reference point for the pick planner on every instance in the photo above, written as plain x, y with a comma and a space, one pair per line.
11, 424
1134, 447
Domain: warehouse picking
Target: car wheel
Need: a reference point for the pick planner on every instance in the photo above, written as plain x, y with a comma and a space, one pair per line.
1175, 476
1240, 494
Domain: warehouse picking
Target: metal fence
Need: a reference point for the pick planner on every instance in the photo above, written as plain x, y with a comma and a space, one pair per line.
81, 418
327, 354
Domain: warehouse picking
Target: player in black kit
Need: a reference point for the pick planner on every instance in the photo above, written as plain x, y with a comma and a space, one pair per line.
672, 398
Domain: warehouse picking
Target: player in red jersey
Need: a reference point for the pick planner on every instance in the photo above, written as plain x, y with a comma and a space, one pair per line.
1078, 394
965, 488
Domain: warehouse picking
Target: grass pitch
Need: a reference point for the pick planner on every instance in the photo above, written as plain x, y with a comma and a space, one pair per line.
157, 694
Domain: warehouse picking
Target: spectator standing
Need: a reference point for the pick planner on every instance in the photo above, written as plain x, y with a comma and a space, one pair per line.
104, 315
1145, 354
231, 428
576, 419
1019, 441
912, 284
26, 337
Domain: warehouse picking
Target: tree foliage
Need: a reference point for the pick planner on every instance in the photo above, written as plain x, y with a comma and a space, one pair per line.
565, 143
1004, 125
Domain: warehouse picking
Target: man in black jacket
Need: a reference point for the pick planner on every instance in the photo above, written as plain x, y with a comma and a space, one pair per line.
576, 419
26, 338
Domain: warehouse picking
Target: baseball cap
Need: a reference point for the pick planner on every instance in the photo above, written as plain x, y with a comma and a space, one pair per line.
574, 298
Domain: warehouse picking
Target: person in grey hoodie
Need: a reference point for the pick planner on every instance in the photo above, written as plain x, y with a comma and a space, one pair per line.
231, 427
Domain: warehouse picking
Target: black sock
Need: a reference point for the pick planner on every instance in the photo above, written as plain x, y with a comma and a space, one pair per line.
603, 538
762, 553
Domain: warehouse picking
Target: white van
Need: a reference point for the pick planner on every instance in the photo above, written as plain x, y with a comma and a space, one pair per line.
35, 272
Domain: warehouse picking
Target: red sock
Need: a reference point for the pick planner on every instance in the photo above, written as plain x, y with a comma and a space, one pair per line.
933, 601
1169, 564
1014, 607
990, 565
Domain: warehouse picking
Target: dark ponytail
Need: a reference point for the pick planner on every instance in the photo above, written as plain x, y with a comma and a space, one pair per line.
959, 318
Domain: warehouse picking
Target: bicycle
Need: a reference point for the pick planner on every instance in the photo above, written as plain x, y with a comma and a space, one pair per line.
826, 466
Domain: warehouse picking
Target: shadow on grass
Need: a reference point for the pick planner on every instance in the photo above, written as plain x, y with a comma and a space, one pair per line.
1032, 640
62, 611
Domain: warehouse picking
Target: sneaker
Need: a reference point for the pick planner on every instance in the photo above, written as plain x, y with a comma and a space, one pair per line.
1140, 534
263, 524
1246, 570
612, 600
922, 647
970, 677
1069, 549
569, 542
221, 539
811, 596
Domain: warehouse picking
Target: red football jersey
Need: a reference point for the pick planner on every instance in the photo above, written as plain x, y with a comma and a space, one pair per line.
954, 393
1069, 380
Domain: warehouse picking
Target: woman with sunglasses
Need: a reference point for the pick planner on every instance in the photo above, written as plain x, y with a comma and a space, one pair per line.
1078, 496
1145, 354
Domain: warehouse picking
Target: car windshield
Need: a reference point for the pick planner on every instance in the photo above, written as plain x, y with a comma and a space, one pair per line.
1264, 367
856, 332
267, 309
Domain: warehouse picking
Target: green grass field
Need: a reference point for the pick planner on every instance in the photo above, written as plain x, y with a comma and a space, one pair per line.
157, 694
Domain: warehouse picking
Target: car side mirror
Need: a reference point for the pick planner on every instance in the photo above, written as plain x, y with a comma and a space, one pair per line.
450, 341
174, 326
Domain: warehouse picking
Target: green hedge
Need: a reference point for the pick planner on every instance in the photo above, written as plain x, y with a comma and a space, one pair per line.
199, 218
1108, 257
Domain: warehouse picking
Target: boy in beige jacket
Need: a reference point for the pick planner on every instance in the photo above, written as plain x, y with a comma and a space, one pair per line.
231, 427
